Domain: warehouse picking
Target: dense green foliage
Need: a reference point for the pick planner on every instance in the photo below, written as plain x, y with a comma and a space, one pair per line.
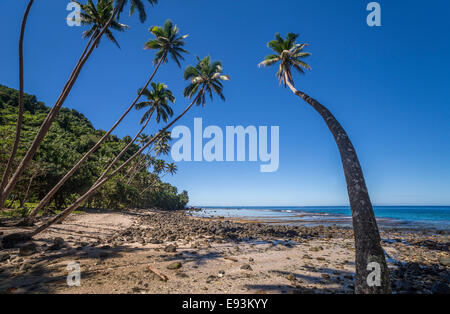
69, 138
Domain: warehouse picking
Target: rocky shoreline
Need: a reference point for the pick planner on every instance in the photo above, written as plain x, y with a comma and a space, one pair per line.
259, 253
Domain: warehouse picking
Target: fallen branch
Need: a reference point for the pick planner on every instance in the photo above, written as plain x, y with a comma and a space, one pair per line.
157, 273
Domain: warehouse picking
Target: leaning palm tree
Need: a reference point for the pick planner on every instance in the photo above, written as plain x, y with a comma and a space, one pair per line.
159, 166
158, 102
160, 147
98, 15
167, 42
135, 4
51, 116
174, 43
20, 108
172, 168
43, 130
290, 55
205, 78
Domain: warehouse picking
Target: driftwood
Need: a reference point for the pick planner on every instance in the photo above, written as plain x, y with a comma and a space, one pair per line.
157, 273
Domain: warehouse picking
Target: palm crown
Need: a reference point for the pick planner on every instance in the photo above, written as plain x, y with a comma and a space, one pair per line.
171, 168
167, 42
159, 165
205, 78
97, 16
158, 100
289, 54
135, 4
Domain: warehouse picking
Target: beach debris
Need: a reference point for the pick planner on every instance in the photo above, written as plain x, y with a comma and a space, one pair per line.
440, 288
158, 273
28, 249
58, 243
247, 267
174, 265
221, 273
231, 259
444, 261
170, 248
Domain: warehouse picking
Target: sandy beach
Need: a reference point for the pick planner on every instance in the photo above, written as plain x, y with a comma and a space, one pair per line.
173, 252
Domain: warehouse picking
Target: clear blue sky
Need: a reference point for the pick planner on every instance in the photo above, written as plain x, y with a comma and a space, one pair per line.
388, 86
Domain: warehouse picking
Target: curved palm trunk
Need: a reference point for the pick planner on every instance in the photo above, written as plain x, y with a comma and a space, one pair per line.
45, 126
47, 198
20, 107
14, 238
139, 168
123, 151
367, 237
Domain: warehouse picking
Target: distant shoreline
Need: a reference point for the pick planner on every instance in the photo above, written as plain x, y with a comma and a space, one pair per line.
388, 217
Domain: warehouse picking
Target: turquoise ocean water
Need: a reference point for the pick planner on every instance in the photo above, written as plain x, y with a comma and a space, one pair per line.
433, 217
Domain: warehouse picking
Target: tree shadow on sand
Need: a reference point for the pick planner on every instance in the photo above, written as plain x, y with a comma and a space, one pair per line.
44, 271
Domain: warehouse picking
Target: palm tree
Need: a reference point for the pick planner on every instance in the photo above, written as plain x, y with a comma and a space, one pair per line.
162, 50
20, 108
97, 16
159, 166
160, 147
46, 124
157, 102
290, 55
135, 4
205, 77
172, 168
167, 42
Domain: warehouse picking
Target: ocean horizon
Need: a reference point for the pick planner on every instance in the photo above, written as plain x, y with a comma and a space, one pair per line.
414, 217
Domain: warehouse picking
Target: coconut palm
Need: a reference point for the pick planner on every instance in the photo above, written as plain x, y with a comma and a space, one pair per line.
159, 166
165, 48
157, 101
97, 16
167, 42
171, 168
135, 4
51, 116
11, 183
205, 79
20, 108
290, 55
205, 76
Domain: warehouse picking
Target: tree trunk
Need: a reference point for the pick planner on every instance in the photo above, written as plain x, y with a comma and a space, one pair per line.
63, 215
53, 112
20, 107
66, 177
116, 159
367, 237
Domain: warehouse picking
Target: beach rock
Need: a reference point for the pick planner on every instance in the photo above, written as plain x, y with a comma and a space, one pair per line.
440, 288
58, 243
170, 248
247, 267
291, 277
444, 261
174, 266
4, 256
28, 249
402, 285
